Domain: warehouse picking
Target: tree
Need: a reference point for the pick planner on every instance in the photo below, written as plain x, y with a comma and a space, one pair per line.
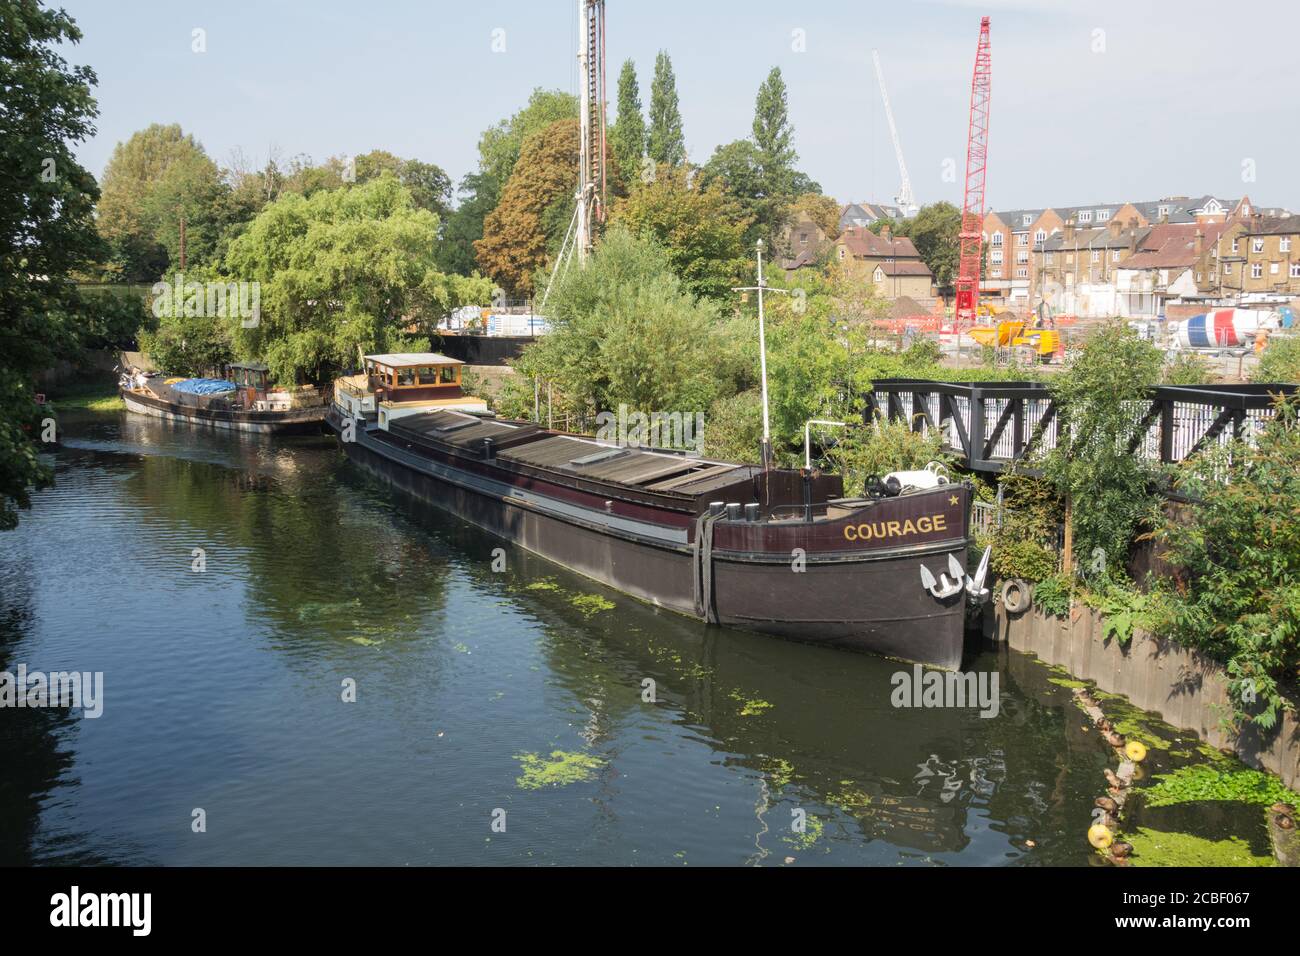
823, 210
521, 231
47, 228
464, 225
153, 179
429, 185
666, 142
773, 140
624, 331
1105, 487
627, 141
343, 272
501, 145
935, 231
738, 166
701, 229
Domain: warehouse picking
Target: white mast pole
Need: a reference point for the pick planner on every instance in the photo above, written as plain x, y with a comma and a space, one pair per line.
583, 233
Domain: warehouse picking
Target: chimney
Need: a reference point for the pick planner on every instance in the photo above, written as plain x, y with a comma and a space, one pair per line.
1132, 242
1198, 243
884, 230
1069, 230
1115, 226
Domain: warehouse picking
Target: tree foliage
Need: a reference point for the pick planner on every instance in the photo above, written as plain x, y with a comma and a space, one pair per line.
343, 272
1238, 547
666, 143
935, 231
47, 229
1280, 362
523, 230
625, 331
628, 139
701, 229
1099, 398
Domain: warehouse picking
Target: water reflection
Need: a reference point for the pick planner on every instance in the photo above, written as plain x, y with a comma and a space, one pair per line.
224, 692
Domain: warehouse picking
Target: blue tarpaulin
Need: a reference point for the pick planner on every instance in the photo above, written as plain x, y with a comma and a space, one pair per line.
204, 386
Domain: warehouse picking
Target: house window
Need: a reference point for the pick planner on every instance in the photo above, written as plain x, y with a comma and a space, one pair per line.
1273, 268
880, 275
842, 251
1114, 256
997, 273
803, 238
1236, 246
1096, 255
1257, 245
1022, 239
1256, 270
1022, 255
997, 239
1040, 235
1069, 258
1295, 270
1022, 273
1085, 215
996, 256
1284, 244
1026, 220
1103, 215
1227, 268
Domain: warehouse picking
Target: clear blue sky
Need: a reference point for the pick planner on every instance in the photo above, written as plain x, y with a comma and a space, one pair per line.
1099, 101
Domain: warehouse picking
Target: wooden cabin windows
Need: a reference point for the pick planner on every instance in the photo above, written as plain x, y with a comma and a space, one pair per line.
413, 376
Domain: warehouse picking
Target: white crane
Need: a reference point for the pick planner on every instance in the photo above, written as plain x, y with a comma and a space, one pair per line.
904, 201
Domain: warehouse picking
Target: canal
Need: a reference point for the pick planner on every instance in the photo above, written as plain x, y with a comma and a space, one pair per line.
594, 728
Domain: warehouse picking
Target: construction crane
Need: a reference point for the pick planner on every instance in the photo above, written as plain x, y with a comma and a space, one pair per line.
904, 200
977, 155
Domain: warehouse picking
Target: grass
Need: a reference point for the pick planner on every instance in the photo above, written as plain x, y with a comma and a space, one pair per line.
94, 396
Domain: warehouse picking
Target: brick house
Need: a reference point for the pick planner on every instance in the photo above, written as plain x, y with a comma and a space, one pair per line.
890, 263
1077, 269
803, 243
1169, 264
1254, 258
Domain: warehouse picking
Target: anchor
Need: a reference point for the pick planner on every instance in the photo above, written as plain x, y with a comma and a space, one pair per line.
975, 589
943, 588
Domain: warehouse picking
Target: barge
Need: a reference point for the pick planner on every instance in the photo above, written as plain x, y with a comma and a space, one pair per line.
242, 401
779, 551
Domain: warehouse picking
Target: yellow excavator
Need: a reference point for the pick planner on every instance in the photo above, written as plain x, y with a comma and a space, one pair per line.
1013, 332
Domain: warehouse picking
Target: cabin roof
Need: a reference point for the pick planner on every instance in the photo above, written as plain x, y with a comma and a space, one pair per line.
251, 366
410, 359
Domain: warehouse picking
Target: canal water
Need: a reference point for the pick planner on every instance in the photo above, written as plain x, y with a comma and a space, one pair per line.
520, 697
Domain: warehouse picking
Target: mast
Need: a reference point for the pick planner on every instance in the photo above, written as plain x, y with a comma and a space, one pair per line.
904, 200
591, 118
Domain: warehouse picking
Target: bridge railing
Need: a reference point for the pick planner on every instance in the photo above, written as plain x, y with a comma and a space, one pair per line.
989, 425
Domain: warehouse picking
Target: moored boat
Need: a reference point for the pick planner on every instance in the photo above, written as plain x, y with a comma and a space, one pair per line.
242, 401
781, 551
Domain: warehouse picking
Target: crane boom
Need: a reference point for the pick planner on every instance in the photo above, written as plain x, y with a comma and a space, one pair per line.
977, 154
904, 199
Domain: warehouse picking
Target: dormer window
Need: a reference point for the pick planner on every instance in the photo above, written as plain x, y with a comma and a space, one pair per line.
1103, 215
1162, 211
1085, 215
1026, 220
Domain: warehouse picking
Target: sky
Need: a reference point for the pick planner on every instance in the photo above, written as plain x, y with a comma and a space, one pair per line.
1099, 101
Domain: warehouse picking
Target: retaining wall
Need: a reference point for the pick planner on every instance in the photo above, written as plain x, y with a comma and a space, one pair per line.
1185, 688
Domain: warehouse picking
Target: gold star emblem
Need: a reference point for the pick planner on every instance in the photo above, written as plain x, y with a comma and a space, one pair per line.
952, 500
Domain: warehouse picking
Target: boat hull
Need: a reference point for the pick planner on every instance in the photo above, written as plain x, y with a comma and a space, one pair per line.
874, 604
295, 421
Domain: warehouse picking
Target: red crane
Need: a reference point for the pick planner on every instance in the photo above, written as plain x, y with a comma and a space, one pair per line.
977, 156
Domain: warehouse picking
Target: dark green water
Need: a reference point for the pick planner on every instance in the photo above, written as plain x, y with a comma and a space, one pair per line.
223, 692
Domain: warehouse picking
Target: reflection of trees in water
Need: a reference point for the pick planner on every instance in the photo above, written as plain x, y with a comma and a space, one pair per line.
792, 715
35, 760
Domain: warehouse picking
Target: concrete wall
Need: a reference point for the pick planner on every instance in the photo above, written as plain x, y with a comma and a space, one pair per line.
1182, 686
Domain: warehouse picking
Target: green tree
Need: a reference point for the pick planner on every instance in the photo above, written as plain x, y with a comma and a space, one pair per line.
774, 140
627, 141
624, 331
701, 229
464, 225
935, 231
1237, 548
501, 145
343, 272
527, 225
47, 229
1107, 489
153, 179
429, 185
666, 143
1280, 362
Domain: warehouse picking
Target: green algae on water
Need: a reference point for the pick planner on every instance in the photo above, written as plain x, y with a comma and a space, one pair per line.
561, 769
544, 585
1159, 848
590, 604
813, 828
1207, 782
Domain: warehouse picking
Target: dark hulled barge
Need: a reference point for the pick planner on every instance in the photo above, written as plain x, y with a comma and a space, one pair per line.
778, 550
